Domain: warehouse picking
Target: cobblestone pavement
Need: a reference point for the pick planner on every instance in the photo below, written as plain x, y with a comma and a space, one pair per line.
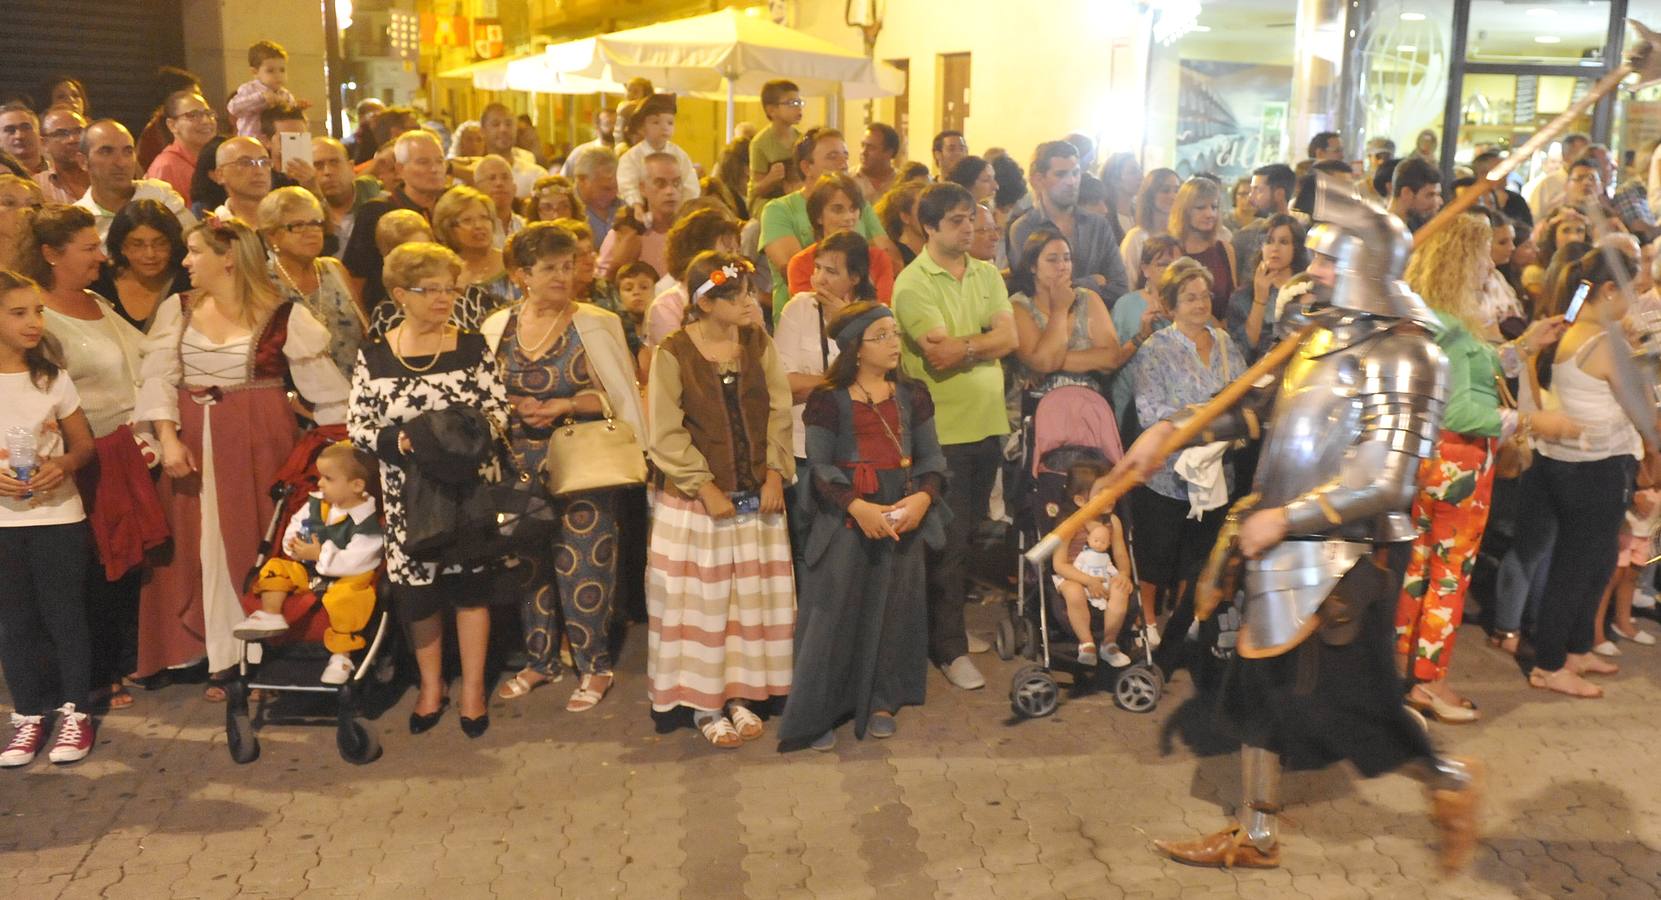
965, 802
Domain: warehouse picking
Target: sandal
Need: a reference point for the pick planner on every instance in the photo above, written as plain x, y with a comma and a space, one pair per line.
1462, 713
114, 696
585, 698
1564, 681
518, 686
1500, 639
718, 731
748, 723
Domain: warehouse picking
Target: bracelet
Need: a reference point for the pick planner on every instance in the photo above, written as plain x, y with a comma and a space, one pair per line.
969, 354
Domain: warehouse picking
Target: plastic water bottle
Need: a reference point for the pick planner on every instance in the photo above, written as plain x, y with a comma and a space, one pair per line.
20, 444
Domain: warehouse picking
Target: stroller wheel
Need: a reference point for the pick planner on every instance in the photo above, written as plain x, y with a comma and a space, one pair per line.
239, 730
1003, 639
358, 744
1028, 645
1137, 688
1033, 694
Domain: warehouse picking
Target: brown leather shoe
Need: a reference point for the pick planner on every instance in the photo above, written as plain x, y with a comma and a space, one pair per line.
1226, 849
1455, 814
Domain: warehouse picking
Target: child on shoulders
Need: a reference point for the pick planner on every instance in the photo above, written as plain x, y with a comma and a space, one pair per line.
269, 63
657, 131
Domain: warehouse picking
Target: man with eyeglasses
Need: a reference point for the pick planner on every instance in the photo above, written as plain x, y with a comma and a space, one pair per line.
65, 178
772, 149
243, 169
20, 136
192, 124
423, 177
112, 167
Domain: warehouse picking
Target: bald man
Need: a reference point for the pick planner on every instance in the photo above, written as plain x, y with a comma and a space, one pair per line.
243, 168
112, 167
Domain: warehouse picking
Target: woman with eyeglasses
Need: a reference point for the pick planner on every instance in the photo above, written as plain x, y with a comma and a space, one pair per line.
147, 253
719, 588
294, 226
216, 374
192, 123
464, 219
873, 478
16, 195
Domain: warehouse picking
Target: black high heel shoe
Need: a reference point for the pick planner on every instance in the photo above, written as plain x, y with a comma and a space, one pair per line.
475, 727
420, 723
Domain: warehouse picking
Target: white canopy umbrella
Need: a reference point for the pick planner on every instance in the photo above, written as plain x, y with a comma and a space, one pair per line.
727, 50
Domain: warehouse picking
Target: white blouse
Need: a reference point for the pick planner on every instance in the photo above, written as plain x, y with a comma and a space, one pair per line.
102, 358
172, 359
803, 350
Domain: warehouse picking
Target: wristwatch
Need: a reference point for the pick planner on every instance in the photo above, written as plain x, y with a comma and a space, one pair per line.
969, 355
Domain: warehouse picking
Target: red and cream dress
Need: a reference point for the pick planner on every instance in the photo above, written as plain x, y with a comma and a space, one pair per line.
230, 401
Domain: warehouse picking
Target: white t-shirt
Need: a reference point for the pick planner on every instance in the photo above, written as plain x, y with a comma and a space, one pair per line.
801, 351
28, 406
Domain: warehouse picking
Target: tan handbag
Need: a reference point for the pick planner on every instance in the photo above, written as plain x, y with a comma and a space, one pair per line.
1515, 453
593, 455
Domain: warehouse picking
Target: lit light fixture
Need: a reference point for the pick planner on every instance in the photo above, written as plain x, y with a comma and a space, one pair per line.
1407, 48
1543, 13
1412, 17
1201, 29
1548, 39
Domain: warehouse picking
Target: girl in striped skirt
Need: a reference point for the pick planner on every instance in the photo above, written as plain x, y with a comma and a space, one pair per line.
720, 594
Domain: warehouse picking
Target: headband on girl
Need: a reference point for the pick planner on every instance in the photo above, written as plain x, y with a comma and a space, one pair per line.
853, 331
727, 273
220, 227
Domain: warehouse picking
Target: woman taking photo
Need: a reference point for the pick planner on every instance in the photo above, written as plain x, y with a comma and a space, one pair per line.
835, 204
100, 351
1186, 363
874, 463
216, 370
1251, 311
1065, 333
806, 348
424, 364
1139, 314
1196, 222
1450, 509
559, 359
292, 223
719, 588
1154, 201
147, 255
1586, 480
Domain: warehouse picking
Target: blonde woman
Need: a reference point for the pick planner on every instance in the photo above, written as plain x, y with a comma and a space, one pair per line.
215, 371
293, 225
1197, 222
16, 195
464, 219
1153, 213
1451, 508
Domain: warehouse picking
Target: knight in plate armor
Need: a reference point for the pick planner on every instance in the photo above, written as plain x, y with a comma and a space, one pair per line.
1319, 547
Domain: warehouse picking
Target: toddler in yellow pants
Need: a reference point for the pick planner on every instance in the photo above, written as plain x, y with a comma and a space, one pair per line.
334, 547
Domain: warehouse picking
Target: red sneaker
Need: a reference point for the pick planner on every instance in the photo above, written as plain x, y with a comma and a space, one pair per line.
27, 736
74, 740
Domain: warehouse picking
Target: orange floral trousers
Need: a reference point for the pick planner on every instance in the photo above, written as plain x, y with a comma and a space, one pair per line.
1450, 512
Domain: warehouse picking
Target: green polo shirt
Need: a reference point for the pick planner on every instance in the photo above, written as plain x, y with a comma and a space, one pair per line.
968, 402
787, 217
766, 150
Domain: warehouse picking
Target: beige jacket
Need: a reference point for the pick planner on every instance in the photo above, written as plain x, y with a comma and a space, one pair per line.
608, 353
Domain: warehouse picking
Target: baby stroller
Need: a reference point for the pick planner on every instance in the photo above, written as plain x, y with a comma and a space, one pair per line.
1064, 427
293, 662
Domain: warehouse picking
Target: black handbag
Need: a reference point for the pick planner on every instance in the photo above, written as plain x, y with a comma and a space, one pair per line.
478, 521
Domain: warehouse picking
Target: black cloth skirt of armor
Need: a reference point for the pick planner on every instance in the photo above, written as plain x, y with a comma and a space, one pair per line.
1324, 702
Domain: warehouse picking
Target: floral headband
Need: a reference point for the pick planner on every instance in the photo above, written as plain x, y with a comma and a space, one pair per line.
721, 276
221, 228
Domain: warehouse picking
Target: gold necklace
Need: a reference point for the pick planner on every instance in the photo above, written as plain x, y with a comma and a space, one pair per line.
553, 327
439, 351
290, 278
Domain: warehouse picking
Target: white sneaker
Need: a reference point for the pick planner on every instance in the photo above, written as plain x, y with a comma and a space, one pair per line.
338, 670
1638, 636
963, 675
1087, 657
1115, 657
1607, 648
260, 626
1152, 632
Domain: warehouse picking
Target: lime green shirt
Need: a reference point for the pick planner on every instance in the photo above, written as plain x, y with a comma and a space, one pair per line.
968, 402
766, 150
787, 217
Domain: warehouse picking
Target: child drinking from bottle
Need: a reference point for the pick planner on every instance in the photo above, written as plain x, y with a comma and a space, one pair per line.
334, 547
1093, 570
45, 547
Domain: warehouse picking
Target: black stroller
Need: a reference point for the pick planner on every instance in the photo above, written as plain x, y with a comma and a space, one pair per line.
1065, 427
294, 662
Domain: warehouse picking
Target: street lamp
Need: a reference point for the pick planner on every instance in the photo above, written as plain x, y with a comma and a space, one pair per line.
866, 15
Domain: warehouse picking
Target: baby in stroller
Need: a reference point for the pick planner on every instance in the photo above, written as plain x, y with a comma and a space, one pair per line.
333, 547
1093, 570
